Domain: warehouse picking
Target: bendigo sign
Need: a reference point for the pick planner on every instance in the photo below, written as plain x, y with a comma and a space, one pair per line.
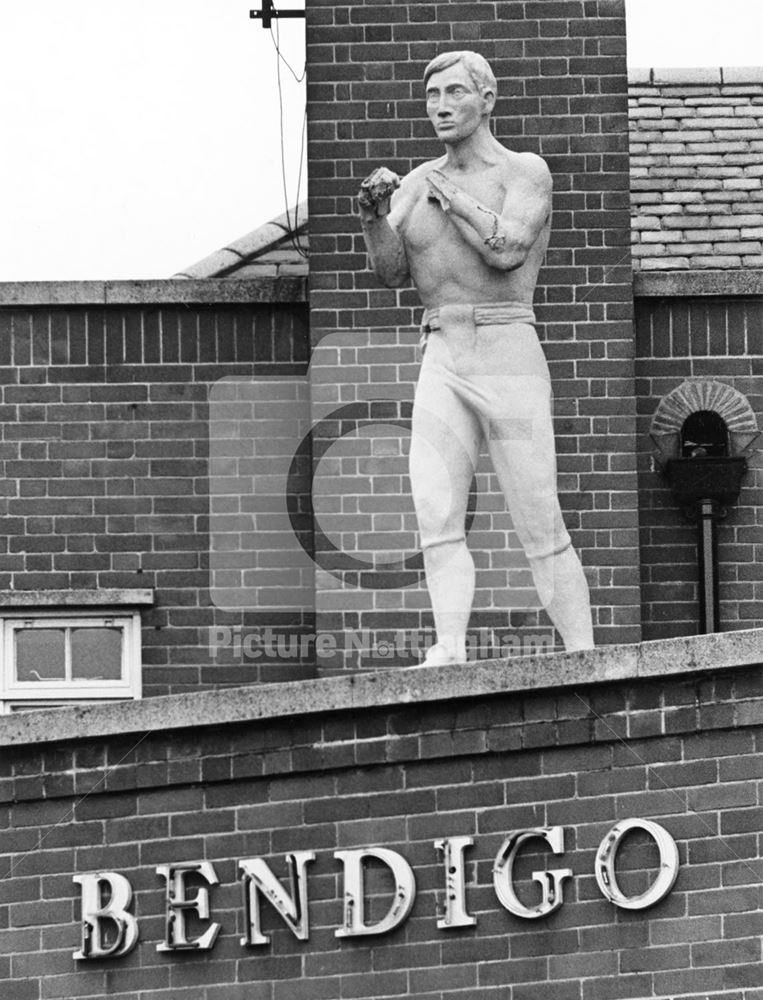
110, 930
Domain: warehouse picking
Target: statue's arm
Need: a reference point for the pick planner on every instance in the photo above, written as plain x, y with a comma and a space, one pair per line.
386, 252
502, 240
379, 204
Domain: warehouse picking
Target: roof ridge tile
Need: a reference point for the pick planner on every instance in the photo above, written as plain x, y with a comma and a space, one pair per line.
676, 76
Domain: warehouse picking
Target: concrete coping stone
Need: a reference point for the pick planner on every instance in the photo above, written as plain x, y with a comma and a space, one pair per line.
112, 597
746, 281
206, 291
662, 659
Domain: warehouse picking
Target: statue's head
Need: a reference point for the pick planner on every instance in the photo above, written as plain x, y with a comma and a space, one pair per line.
461, 90
475, 65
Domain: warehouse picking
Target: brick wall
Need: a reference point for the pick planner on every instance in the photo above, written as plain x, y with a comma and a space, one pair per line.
682, 751
105, 457
563, 94
677, 338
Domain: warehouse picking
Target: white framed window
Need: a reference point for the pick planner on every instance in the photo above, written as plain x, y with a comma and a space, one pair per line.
57, 657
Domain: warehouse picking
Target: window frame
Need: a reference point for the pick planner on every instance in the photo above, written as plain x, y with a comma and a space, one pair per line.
18, 695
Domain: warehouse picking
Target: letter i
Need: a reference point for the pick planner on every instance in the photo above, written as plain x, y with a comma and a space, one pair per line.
452, 850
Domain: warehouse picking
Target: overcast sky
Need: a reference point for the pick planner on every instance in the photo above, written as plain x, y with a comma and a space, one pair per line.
140, 136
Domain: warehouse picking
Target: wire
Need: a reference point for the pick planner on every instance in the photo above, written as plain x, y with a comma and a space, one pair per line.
280, 58
276, 39
300, 250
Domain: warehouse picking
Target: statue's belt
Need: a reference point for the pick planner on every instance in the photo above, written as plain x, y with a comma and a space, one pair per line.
487, 314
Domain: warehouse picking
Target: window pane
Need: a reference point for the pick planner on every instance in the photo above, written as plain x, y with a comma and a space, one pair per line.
40, 654
96, 654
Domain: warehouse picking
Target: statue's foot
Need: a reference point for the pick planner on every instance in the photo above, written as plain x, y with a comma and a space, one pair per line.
440, 655
578, 647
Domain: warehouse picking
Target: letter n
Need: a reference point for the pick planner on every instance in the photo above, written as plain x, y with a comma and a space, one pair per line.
259, 880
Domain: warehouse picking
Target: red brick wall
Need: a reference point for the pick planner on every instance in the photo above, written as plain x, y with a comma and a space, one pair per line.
105, 454
563, 94
715, 338
683, 752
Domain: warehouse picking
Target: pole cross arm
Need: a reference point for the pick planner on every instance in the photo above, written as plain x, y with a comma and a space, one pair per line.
269, 11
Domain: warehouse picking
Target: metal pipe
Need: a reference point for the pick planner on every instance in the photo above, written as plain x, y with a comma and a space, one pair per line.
707, 546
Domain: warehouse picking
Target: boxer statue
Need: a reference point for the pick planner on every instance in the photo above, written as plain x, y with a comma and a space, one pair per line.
471, 229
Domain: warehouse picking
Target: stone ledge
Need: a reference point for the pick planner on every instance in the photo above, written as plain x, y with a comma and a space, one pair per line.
659, 284
76, 598
183, 291
668, 658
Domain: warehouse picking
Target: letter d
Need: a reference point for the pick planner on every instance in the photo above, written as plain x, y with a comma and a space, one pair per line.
354, 891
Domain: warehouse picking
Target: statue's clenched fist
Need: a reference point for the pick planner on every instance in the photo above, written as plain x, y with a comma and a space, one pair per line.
376, 193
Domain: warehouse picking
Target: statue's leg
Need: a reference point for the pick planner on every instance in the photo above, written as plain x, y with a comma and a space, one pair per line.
521, 445
566, 599
445, 442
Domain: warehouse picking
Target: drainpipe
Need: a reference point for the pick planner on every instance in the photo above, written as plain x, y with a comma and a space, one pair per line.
706, 487
707, 551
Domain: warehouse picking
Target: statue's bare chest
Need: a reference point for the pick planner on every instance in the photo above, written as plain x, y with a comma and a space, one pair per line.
426, 225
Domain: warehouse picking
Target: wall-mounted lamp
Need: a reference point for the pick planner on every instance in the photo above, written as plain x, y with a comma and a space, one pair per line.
704, 431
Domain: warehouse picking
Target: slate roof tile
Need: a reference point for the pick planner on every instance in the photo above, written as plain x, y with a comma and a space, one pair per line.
697, 169
274, 249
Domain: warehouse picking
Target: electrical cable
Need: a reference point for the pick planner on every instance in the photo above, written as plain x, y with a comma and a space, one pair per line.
277, 43
303, 144
276, 38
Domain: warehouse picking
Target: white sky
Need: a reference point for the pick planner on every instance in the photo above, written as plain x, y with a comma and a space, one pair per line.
694, 32
138, 136
141, 135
